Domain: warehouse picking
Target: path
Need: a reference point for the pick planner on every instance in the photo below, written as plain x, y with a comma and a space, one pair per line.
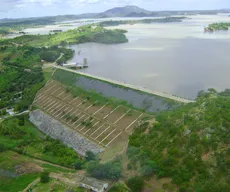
59, 57
165, 95
55, 165
16, 114
31, 184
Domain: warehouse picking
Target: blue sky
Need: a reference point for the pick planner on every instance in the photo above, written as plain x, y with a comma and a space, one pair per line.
33, 8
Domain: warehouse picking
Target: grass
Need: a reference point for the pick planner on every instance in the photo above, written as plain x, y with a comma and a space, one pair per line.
9, 160
33, 142
47, 187
53, 186
70, 79
47, 73
55, 169
18, 183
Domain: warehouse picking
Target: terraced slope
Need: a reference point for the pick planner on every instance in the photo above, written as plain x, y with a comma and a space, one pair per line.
105, 124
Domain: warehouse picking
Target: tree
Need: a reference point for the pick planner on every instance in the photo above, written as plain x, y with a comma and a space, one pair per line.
136, 184
2, 147
90, 156
78, 165
212, 90
21, 121
3, 112
44, 178
110, 170
119, 187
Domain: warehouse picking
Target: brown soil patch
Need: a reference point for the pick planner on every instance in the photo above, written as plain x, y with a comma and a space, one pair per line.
58, 104
27, 167
102, 113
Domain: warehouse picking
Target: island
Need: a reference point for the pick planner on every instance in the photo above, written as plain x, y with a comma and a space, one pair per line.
143, 21
223, 26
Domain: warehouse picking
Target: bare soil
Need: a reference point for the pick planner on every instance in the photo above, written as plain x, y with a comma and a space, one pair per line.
58, 103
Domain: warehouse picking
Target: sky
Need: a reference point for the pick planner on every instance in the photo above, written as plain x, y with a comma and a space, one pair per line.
35, 8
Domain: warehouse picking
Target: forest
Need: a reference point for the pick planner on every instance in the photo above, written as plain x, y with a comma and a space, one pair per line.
190, 145
21, 70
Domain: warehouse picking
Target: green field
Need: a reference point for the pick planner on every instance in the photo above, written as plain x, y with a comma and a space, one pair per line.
27, 170
53, 186
16, 184
28, 140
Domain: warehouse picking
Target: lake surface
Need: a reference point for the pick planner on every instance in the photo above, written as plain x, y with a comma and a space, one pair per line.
176, 58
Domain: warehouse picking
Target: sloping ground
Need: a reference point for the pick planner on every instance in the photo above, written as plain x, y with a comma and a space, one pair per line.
56, 130
91, 115
137, 97
190, 145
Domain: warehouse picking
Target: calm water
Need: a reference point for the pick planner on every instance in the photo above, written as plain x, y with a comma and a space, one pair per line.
175, 58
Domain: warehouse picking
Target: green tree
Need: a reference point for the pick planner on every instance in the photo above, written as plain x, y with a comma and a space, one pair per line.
2, 147
136, 184
90, 156
78, 165
44, 178
110, 170
119, 187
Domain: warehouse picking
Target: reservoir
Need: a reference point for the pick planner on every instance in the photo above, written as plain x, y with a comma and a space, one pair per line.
177, 58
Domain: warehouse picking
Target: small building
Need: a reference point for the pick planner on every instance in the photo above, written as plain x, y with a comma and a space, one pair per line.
94, 184
69, 65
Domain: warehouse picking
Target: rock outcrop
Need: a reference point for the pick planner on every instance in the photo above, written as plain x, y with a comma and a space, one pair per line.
57, 130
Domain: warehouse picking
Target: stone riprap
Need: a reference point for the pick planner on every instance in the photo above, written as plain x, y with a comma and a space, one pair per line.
57, 130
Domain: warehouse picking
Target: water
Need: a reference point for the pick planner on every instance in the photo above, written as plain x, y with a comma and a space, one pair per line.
149, 103
177, 58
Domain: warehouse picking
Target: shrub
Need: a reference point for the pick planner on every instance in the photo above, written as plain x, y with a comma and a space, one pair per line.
90, 156
44, 178
78, 165
110, 170
135, 184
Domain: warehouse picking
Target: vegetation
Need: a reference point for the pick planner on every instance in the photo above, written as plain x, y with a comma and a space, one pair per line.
69, 79
147, 21
29, 141
190, 145
119, 187
217, 27
84, 34
17, 171
110, 170
8, 26
16, 184
136, 184
20, 71
44, 178
54, 187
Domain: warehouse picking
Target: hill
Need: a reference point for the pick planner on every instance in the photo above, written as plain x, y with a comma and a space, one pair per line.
125, 11
189, 145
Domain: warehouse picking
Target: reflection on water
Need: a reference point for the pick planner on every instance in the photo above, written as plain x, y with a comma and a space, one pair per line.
175, 58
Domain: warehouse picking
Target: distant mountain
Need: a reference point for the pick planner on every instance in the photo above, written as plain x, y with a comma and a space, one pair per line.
126, 11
